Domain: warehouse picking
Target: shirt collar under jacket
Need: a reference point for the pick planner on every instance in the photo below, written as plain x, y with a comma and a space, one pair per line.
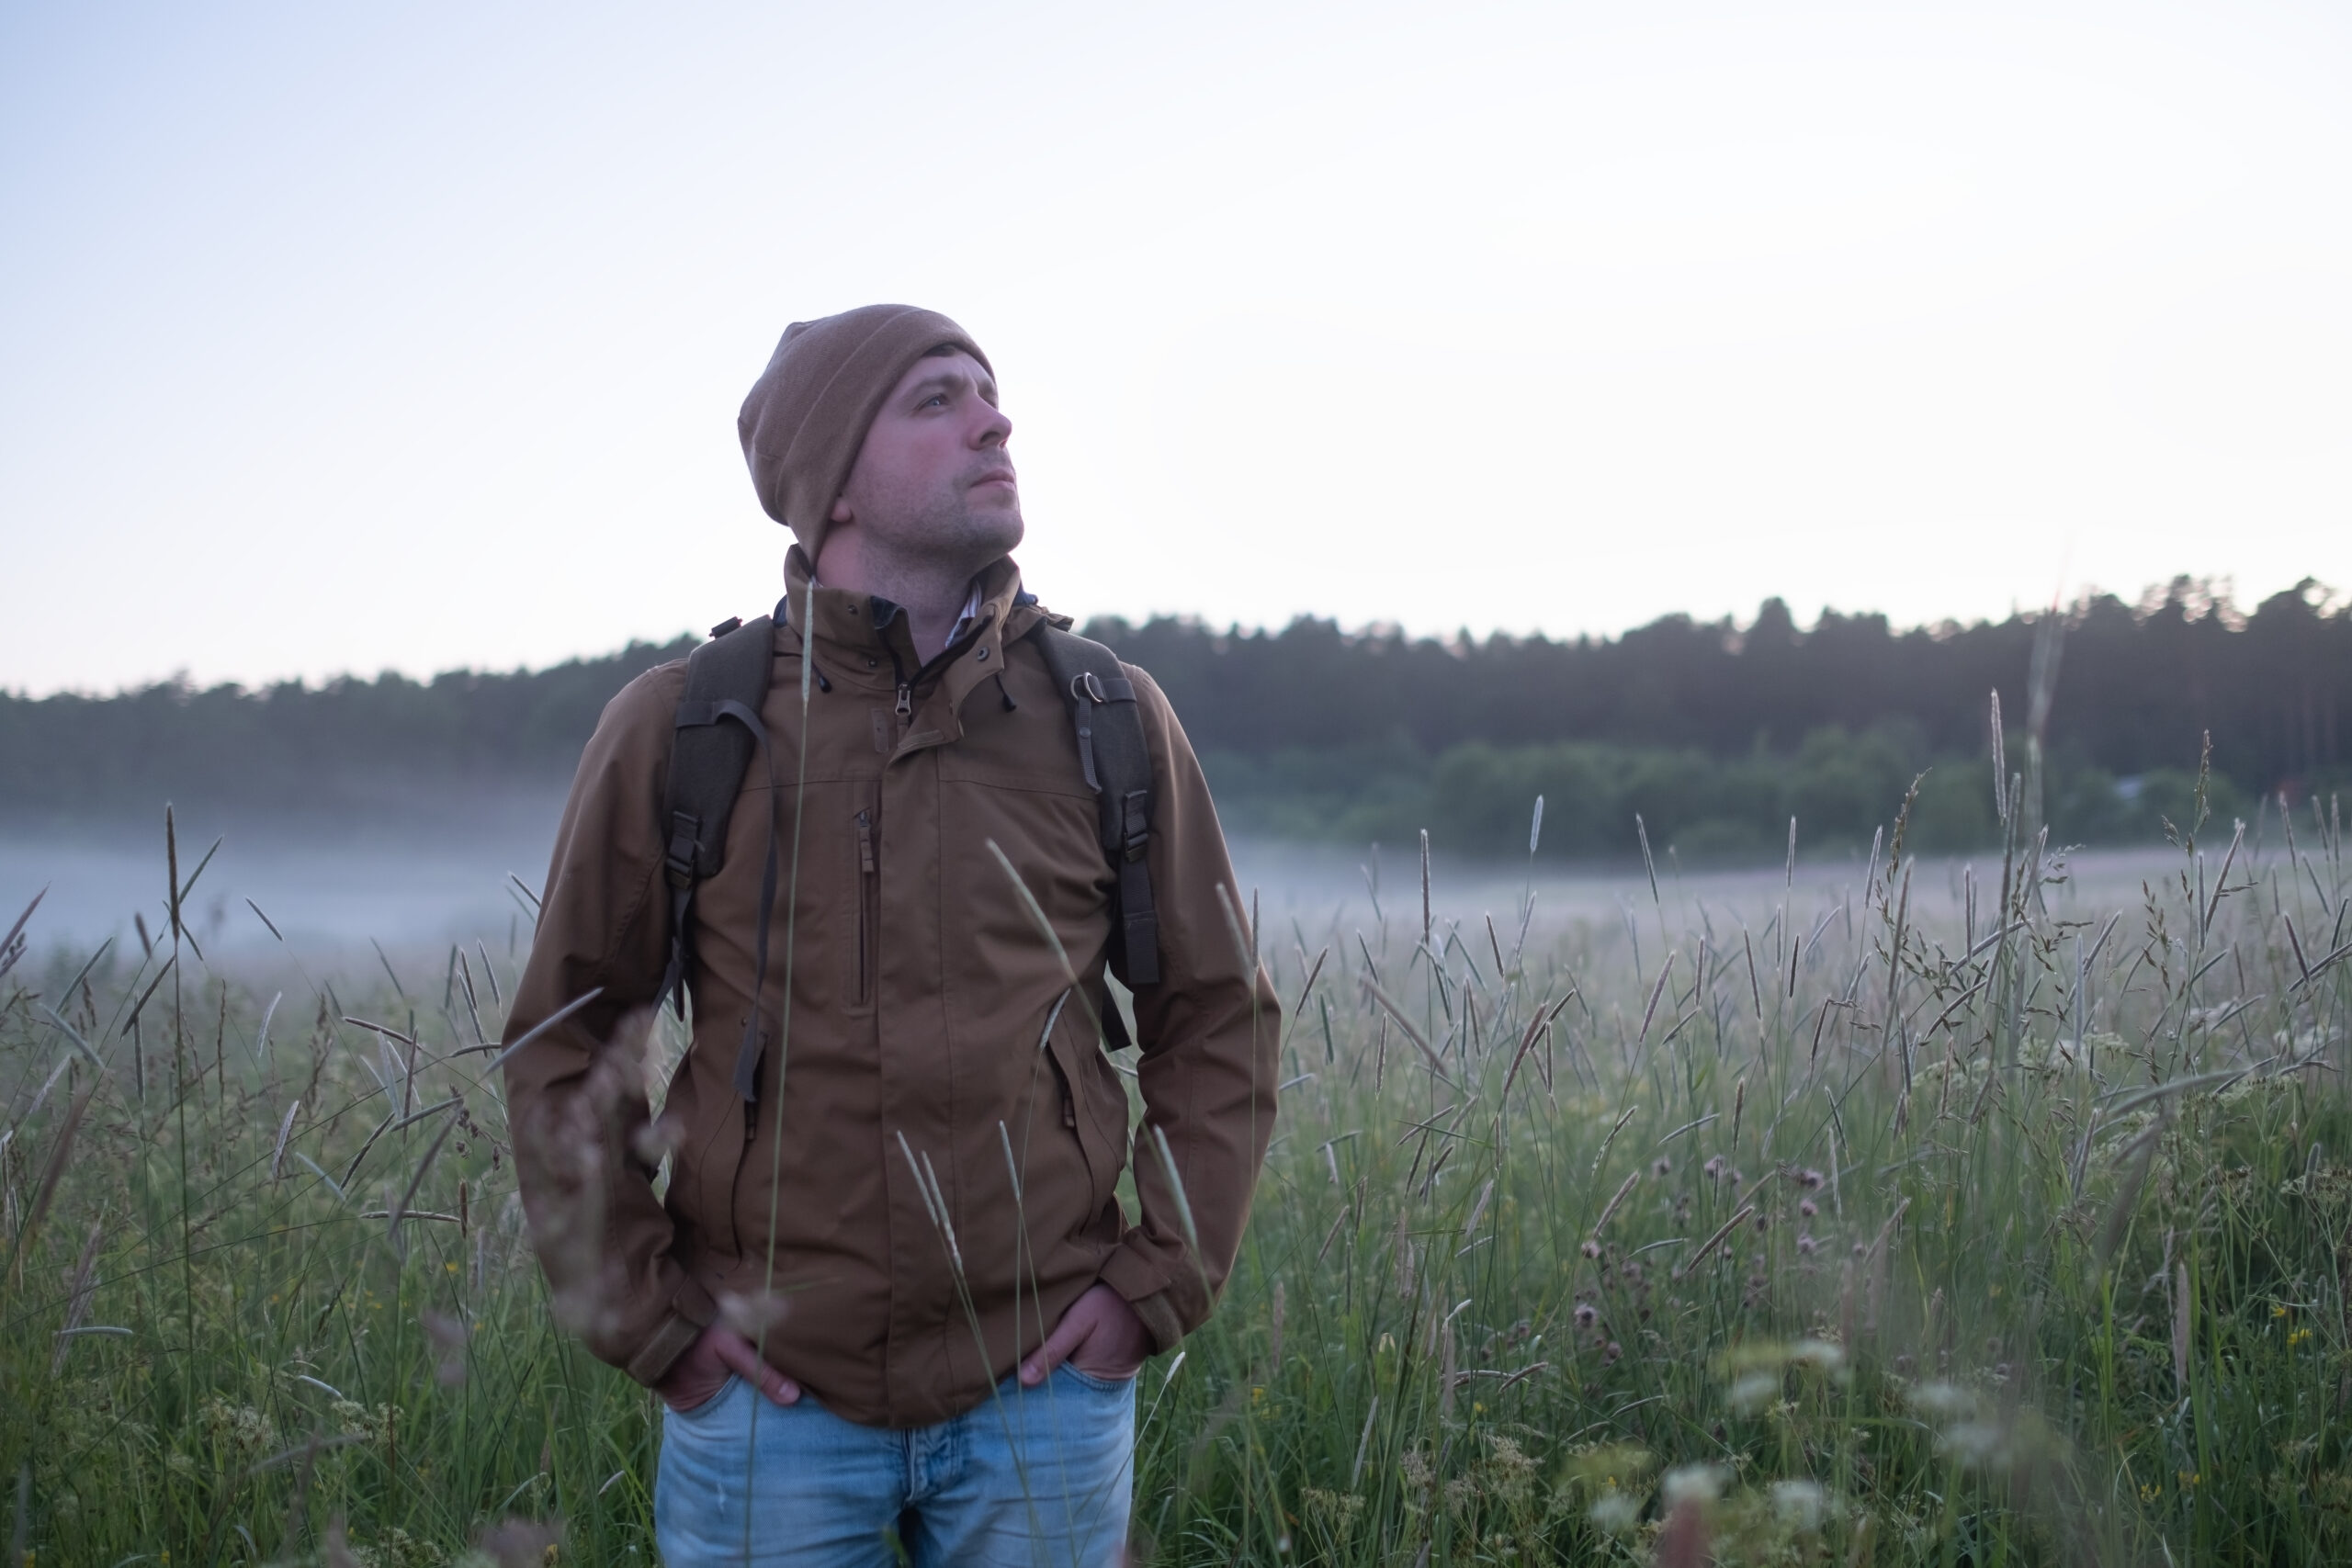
973, 599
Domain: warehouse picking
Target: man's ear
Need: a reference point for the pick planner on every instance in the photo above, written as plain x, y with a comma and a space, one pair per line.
840, 512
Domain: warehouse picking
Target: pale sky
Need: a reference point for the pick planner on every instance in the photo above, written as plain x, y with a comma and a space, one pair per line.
342, 338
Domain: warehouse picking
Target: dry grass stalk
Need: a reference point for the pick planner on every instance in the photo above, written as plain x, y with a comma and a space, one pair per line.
46, 1189
381, 1128
80, 1289
1274, 1333
1478, 1208
1333, 1234
2180, 1329
384, 1029
550, 1022
1754, 989
418, 1180
286, 1126
1298, 1007
453, 1102
1537, 1027
1437, 1066
1649, 1013
1603, 1154
1745, 1212
466, 992
1426, 924
1610, 1207
1245, 941
1363, 1445
12, 946
130, 1022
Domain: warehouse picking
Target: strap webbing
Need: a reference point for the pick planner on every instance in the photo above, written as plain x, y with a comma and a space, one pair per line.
1116, 758
717, 727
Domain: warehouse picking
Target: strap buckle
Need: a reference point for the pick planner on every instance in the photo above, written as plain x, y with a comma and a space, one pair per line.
1085, 686
1136, 822
685, 848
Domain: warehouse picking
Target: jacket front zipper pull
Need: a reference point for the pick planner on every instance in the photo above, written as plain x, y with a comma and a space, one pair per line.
906, 701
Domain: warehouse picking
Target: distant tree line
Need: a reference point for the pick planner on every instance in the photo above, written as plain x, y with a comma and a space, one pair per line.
342, 751
1716, 733
2137, 686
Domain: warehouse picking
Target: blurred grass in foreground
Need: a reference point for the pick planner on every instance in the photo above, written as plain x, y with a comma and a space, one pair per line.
1875, 1227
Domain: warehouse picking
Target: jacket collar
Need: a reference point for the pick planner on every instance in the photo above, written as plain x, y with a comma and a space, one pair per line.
852, 626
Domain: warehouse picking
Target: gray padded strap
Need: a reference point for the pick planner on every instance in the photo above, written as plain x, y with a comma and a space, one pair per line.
717, 727
709, 756
1116, 758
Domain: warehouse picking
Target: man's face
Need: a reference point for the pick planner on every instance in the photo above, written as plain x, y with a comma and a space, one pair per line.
934, 477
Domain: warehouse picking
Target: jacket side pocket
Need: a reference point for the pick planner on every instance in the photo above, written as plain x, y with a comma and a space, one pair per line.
706, 1164
1078, 1067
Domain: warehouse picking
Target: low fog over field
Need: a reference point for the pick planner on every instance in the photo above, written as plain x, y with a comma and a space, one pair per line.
415, 887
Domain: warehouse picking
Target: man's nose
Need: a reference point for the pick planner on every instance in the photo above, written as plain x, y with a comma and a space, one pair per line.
994, 429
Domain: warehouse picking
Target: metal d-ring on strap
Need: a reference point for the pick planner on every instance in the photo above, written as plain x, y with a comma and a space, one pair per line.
1085, 692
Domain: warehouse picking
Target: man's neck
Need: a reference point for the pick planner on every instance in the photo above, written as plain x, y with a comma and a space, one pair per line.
930, 592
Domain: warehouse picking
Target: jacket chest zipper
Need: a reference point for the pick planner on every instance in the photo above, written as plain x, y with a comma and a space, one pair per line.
906, 704
868, 877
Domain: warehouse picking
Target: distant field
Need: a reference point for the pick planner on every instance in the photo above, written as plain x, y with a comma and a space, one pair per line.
416, 887
1879, 1212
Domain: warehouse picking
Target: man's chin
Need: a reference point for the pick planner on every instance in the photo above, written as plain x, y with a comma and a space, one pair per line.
1000, 532
977, 534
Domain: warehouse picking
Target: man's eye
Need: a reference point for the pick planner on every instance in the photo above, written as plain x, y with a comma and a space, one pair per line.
939, 398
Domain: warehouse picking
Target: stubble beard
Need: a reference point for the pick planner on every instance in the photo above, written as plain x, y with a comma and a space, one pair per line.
948, 531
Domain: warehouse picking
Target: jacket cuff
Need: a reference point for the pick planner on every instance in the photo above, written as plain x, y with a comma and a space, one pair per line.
1129, 1273
691, 1310
1159, 1320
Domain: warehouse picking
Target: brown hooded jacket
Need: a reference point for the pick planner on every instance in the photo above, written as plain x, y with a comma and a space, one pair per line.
927, 1179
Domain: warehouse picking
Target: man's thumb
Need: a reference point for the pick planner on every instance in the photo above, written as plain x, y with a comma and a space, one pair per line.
739, 1356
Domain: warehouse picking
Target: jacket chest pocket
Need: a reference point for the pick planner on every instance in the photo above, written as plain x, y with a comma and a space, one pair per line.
861, 949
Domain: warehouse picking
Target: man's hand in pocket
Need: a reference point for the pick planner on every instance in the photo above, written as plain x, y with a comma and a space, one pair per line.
695, 1377
1100, 1335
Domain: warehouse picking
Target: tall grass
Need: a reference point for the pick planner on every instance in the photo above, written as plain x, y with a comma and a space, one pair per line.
1902, 1217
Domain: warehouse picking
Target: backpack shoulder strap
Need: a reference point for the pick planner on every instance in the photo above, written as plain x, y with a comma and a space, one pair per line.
718, 727
1117, 761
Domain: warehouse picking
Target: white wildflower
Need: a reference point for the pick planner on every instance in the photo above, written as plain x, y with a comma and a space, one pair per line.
1614, 1511
1799, 1504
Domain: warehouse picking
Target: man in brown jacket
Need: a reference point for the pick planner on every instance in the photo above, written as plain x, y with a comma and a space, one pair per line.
891, 1296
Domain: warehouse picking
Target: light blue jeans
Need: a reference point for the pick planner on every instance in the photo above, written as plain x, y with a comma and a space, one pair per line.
1033, 1478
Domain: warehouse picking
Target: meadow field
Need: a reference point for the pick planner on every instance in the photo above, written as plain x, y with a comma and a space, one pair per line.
1882, 1212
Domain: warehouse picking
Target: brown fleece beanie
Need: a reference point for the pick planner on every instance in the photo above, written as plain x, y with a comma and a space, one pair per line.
808, 413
